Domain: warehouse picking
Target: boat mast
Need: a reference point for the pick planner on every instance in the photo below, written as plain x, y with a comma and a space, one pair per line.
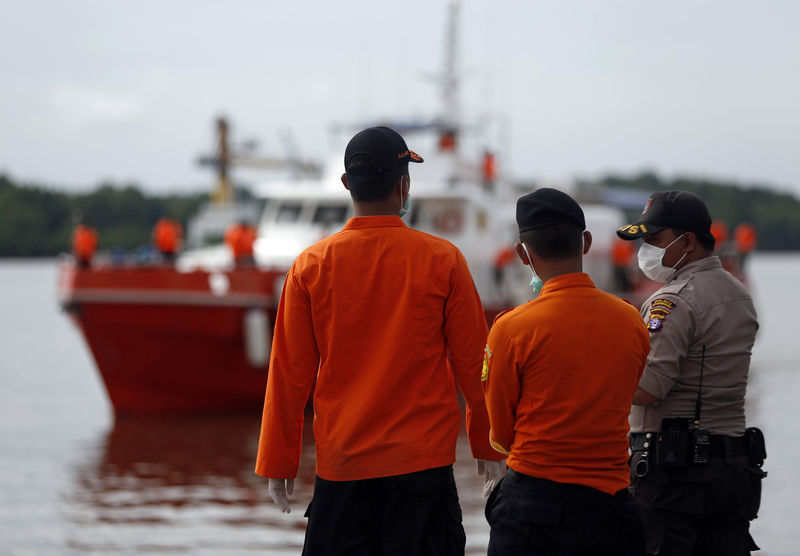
225, 158
449, 125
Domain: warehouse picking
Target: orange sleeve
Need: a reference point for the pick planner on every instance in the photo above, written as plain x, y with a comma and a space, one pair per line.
293, 365
501, 384
465, 333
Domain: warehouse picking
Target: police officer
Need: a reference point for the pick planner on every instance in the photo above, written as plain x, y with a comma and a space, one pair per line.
695, 469
559, 375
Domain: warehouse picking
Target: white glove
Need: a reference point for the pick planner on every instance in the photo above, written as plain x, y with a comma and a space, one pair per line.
279, 489
492, 472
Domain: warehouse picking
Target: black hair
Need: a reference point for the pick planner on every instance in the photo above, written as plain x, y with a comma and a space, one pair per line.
561, 241
369, 183
706, 240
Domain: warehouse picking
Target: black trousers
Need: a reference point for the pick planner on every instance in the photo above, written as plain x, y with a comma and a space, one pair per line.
404, 515
534, 516
704, 510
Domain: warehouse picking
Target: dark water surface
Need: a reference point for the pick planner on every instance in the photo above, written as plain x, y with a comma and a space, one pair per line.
74, 481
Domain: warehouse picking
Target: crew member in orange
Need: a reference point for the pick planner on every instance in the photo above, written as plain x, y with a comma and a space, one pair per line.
746, 238
240, 238
622, 256
720, 232
167, 236
489, 170
384, 318
559, 375
84, 244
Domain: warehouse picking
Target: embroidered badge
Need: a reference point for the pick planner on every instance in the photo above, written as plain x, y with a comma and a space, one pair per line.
487, 354
659, 309
660, 302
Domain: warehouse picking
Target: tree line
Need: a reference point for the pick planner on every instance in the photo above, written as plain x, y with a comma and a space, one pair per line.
38, 221
773, 214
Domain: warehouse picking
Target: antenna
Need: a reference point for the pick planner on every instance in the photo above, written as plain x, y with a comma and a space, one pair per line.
450, 80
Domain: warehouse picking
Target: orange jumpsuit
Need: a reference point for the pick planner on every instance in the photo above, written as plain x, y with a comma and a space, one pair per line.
559, 375
167, 236
384, 317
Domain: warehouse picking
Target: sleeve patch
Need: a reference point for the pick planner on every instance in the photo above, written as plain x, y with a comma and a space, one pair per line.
487, 354
663, 303
659, 309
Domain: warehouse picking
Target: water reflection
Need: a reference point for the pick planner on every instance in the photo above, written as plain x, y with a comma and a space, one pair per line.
182, 484
186, 484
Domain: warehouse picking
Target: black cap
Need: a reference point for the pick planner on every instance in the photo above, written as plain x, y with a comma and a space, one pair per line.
382, 146
548, 207
679, 210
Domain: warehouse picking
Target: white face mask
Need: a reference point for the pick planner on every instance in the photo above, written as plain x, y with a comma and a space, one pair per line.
650, 262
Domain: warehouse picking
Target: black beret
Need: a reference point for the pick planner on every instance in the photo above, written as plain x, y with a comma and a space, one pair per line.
548, 207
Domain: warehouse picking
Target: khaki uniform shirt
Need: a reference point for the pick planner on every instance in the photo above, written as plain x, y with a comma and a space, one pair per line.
703, 305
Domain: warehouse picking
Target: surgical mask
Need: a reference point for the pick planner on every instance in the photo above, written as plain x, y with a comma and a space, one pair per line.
405, 207
650, 262
536, 283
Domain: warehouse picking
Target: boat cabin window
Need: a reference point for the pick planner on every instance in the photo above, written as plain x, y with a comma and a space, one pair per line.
288, 212
439, 216
330, 214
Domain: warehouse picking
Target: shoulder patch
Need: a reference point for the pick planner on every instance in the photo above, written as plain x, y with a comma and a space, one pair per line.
659, 309
661, 302
487, 354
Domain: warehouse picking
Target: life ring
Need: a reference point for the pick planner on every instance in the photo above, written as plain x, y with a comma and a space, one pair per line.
449, 220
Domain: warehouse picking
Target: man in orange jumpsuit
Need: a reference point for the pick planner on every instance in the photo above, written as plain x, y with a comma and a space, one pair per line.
559, 375
384, 317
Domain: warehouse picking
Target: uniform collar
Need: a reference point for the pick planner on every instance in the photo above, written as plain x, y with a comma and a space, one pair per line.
571, 280
706, 263
379, 221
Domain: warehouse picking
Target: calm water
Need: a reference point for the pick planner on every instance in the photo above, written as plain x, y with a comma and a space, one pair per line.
72, 481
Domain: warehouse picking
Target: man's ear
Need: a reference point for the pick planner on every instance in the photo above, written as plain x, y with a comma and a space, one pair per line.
691, 242
521, 253
404, 185
344, 181
587, 241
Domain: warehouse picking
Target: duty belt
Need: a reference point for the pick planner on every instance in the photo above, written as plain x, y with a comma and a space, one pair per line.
721, 445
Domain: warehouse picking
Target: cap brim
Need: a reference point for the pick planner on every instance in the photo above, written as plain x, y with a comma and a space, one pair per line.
414, 157
638, 229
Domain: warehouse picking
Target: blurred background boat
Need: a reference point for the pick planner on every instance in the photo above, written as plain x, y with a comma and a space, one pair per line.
190, 330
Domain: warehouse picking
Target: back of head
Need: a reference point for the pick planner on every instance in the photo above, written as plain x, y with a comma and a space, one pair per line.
551, 223
373, 160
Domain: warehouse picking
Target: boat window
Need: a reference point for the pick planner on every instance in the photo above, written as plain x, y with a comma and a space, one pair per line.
330, 214
288, 212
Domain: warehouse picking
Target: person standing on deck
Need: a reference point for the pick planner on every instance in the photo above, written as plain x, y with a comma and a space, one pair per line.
696, 470
384, 317
559, 375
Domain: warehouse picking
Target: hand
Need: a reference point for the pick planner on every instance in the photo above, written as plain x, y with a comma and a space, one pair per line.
492, 472
279, 489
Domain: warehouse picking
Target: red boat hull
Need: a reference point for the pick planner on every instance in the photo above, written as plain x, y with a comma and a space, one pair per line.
164, 342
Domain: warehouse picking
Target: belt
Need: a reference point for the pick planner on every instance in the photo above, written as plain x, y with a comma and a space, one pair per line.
721, 445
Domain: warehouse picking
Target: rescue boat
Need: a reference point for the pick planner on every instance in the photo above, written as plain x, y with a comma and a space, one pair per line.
192, 333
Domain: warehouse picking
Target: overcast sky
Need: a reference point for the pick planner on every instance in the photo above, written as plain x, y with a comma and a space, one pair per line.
127, 91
